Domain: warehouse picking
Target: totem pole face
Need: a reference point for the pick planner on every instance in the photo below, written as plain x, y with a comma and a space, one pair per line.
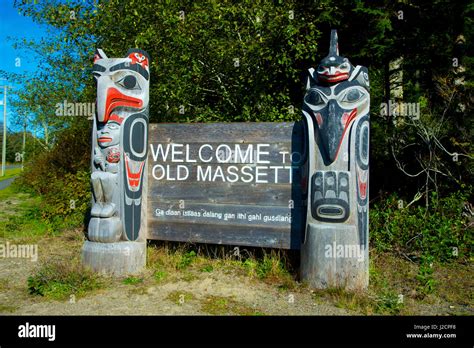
108, 134
122, 123
337, 94
336, 104
122, 83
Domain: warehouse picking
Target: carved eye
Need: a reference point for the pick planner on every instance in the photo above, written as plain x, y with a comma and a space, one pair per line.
129, 82
344, 66
313, 98
352, 96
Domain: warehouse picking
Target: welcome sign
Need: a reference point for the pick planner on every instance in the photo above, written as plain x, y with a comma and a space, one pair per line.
295, 185
227, 183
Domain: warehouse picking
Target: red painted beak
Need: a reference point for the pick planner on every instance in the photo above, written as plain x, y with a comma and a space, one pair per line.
115, 99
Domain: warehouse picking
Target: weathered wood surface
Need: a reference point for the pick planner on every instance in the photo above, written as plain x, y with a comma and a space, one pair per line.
228, 193
237, 132
280, 196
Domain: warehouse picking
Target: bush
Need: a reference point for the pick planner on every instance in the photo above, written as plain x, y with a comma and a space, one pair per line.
59, 280
62, 177
441, 231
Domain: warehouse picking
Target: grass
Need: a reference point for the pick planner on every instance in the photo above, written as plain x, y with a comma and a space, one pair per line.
62, 279
20, 216
180, 297
395, 286
7, 308
10, 173
132, 281
219, 305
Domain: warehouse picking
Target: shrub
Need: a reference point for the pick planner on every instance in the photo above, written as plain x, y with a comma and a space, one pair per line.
186, 260
62, 177
441, 231
60, 280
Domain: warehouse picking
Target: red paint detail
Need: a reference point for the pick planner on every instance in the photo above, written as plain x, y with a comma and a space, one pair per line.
133, 178
96, 57
351, 117
104, 139
116, 118
138, 58
344, 118
334, 78
362, 187
113, 156
115, 98
319, 119
336, 73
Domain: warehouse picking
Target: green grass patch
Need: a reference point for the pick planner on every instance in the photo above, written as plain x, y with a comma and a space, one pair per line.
180, 297
132, 281
159, 276
10, 173
7, 308
219, 305
186, 260
207, 268
60, 279
20, 215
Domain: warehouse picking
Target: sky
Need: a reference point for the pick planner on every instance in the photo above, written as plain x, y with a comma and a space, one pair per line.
14, 25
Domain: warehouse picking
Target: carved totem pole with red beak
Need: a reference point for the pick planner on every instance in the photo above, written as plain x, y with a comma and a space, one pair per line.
336, 109
119, 151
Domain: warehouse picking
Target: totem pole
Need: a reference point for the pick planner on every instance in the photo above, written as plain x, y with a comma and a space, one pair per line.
336, 109
116, 233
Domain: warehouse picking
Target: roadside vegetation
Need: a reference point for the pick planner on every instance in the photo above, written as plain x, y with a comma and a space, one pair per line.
10, 173
404, 279
253, 68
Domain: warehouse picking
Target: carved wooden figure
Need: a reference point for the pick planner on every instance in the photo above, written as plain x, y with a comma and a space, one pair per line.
336, 109
119, 153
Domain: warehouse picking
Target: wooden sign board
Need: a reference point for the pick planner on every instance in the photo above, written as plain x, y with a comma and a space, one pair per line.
227, 183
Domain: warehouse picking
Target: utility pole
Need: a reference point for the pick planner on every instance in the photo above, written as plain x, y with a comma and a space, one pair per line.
23, 146
4, 145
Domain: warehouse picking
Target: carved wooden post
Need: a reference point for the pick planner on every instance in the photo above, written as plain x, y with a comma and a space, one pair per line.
336, 110
117, 229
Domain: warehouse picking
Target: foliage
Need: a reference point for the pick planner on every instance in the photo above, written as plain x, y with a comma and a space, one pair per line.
61, 176
271, 266
59, 280
186, 260
15, 147
425, 275
132, 281
10, 173
442, 232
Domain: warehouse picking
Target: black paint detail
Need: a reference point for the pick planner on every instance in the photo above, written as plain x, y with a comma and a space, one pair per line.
130, 81
97, 67
132, 211
362, 228
364, 120
330, 196
138, 140
330, 210
133, 67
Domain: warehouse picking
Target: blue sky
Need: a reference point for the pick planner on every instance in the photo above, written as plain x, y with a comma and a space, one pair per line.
15, 25
12, 24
